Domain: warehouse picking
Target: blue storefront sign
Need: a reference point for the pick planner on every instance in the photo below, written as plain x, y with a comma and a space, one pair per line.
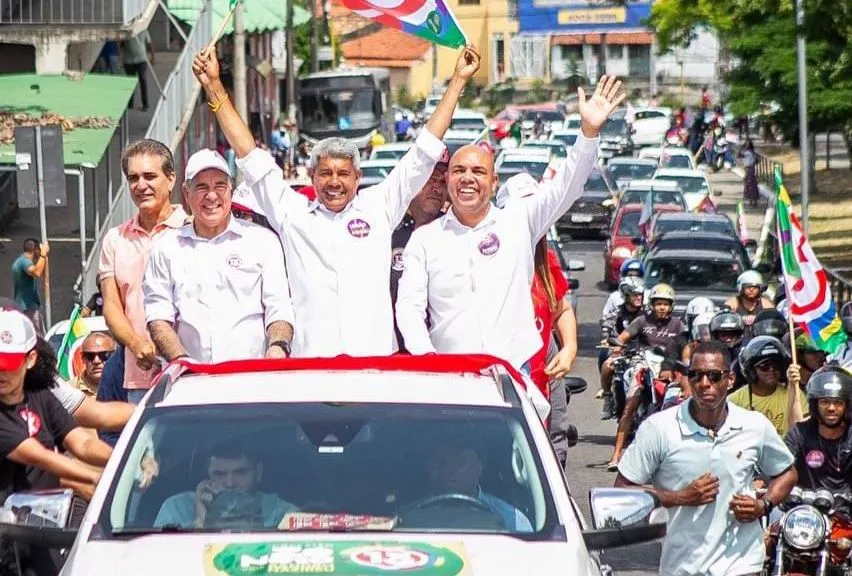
570, 16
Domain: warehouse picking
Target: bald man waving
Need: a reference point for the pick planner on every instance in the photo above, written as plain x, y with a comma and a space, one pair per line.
472, 268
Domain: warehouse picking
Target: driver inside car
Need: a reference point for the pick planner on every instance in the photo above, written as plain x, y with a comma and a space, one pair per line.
228, 497
455, 469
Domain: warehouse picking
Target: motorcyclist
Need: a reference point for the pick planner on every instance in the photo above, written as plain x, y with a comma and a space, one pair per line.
728, 328
770, 322
538, 126
749, 301
765, 362
696, 307
810, 356
843, 356
630, 268
632, 290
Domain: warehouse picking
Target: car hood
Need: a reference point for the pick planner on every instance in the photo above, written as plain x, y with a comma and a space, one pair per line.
363, 554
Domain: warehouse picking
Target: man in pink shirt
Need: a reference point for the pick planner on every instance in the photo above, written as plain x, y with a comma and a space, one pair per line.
149, 168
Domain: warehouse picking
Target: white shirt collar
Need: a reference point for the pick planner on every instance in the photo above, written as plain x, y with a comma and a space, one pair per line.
233, 227
451, 218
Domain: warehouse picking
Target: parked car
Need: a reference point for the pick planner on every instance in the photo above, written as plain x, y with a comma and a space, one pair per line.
625, 239
663, 193
514, 162
591, 213
691, 241
705, 270
395, 428
692, 222
615, 139
465, 120
375, 171
652, 153
625, 169
391, 151
572, 121
568, 136
676, 157
694, 184
650, 125
551, 114
556, 147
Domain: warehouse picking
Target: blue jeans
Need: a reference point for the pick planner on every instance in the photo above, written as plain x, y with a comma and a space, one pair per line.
111, 388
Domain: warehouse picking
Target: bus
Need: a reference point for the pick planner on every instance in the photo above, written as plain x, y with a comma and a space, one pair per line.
346, 102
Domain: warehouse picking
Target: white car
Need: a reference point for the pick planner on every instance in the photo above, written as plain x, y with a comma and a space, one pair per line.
567, 136
625, 169
375, 171
676, 157
694, 184
430, 104
651, 152
650, 125
572, 122
468, 121
533, 161
392, 151
433, 465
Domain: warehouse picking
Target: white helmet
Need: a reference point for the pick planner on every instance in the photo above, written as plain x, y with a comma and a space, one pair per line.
700, 305
749, 278
701, 326
631, 285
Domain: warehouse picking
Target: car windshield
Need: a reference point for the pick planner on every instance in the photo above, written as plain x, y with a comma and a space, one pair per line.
676, 161
660, 197
339, 110
477, 124
510, 168
687, 183
375, 171
614, 127
631, 171
546, 115
389, 154
693, 274
556, 148
595, 183
716, 226
629, 224
566, 139
417, 468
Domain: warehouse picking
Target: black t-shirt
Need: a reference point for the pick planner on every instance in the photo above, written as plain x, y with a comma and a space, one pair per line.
648, 330
821, 463
39, 416
624, 318
96, 304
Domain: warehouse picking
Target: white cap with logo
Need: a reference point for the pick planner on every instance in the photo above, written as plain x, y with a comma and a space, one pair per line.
17, 339
203, 160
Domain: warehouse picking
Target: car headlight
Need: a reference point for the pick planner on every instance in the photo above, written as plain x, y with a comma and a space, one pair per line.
804, 528
622, 252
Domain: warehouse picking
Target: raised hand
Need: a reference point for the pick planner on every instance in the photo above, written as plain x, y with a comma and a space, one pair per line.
205, 66
468, 63
595, 111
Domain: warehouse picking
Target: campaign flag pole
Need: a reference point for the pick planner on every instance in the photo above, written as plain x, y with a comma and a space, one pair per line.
233, 8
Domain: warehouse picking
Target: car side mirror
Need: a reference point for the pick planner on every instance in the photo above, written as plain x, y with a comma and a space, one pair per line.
45, 518
624, 516
573, 284
576, 265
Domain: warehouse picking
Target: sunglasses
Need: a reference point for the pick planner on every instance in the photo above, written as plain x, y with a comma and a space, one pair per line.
768, 367
715, 376
103, 355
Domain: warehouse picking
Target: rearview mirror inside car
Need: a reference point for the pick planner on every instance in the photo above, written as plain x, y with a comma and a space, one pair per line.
624, 516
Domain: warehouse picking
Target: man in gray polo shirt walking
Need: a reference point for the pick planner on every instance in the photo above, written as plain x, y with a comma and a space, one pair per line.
701, 459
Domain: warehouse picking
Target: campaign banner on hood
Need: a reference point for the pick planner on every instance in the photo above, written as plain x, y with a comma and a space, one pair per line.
431, 20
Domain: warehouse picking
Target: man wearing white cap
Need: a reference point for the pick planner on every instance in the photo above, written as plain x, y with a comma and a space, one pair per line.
216, 289
472, 269
339, 246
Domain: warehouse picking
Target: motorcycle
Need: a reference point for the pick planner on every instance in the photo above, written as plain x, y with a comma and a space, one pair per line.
637, 367
811, 537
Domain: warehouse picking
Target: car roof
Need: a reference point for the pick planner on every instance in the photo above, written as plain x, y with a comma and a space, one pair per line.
685, 234
691, 255
657, 208
680, 173
655, 184
478, 380
541, 144
676, 151
394, 146
626, 160
466, 113
695, 216
565, 132
530, 155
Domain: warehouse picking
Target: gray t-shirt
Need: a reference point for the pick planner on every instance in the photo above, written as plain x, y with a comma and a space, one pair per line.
134, 49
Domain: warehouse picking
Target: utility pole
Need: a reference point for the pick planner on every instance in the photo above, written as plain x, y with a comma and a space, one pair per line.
240, 62
291, 72
804, 144
314, 36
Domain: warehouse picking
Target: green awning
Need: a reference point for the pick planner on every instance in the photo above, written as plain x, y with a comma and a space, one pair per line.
93, 95
258, 15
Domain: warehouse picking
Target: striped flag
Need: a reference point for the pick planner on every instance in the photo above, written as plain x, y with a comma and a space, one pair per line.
70, 360
646, 214
742, 230
808, 288
431, 20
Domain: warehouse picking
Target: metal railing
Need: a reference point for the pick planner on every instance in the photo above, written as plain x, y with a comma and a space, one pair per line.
764, 169
180, 93
71, 12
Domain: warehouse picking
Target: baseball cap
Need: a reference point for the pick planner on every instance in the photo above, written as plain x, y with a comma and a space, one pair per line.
17, 339
518, 186
204, 159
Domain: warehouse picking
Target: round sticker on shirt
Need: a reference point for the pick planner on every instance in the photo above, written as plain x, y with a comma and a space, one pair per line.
358, 228
815, 459
396, 260
32, 419
234, 261
489, 245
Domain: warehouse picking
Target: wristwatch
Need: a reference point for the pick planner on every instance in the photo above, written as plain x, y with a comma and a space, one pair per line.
767, 505
283, 344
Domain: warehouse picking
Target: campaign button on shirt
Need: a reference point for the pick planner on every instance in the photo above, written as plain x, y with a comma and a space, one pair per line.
815, 459
358, 228
32, 419
489, 245
396, 260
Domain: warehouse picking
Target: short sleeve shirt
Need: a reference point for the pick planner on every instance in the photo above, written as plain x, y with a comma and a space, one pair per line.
26, 293
42, 417
821, 463
774, 406
671, 450
649, 331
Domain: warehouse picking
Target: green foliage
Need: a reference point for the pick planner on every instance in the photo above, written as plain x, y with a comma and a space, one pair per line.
498, 96
404, 99
539, 92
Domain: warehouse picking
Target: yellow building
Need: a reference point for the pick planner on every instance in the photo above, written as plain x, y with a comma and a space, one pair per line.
489, 25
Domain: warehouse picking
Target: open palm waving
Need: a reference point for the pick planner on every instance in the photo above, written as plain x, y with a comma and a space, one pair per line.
595, 111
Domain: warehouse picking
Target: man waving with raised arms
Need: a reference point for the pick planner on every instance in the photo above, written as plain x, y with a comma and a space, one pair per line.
472, 268
338, 247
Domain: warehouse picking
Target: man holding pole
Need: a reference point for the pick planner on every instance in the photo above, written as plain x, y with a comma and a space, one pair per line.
26, 269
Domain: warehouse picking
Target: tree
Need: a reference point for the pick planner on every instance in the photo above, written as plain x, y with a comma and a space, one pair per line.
761, 35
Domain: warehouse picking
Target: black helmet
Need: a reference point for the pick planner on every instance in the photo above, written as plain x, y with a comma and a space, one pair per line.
830, 381
770, 323
780, 294
759, 349
727, 322
846, 317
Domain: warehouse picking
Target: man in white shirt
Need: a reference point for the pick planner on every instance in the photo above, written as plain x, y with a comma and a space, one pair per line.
216, 289
472, 269
338, 247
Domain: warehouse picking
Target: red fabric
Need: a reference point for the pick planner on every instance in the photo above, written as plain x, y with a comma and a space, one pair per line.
308, 192
435, 363
543, 319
